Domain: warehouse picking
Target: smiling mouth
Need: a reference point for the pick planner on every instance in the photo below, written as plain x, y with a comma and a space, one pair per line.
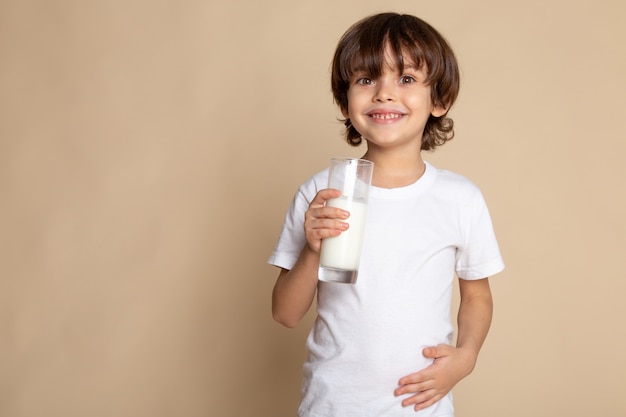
385, 116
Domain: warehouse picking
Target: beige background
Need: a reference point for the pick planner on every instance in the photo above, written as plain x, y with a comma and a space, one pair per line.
149, 149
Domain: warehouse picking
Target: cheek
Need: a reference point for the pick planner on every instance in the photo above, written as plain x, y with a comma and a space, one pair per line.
357, 102
351, 109
422, 102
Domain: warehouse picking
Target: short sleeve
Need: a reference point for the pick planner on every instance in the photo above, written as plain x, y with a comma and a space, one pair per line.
479, 257
292, 239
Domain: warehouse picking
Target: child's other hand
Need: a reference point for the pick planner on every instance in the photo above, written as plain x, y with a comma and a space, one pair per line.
434, 382
321, 221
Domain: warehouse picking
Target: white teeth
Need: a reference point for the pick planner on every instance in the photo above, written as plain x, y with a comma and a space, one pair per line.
386, 116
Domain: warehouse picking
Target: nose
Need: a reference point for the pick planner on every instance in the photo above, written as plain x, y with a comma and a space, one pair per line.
385, 91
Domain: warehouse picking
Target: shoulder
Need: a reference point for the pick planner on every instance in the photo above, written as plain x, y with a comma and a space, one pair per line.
455, 185
316, 182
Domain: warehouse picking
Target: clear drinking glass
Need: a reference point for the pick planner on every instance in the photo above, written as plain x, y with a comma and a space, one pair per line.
340, 255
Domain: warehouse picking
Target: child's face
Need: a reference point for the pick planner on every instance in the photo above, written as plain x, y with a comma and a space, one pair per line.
392, 109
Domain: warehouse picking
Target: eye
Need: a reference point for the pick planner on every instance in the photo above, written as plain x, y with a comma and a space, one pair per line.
407, 79
364, 81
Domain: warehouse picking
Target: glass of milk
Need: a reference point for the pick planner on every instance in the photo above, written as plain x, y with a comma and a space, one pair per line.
340, 255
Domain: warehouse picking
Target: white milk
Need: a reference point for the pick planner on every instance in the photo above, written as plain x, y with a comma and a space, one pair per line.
344, 251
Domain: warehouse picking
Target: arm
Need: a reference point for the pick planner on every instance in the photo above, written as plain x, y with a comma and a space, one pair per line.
295, 289
451, 364
474, 318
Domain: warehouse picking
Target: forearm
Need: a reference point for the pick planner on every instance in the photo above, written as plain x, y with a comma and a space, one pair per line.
474, 318
295, 289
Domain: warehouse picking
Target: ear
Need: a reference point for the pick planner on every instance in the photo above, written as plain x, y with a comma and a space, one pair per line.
345, 113
438, 111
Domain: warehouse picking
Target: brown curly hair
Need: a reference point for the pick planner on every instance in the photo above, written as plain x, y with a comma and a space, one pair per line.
363, 47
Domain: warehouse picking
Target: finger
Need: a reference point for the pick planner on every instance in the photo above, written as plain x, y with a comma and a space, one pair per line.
324, 195
415, 387
326, 218
326, 212
425, 404
419, 399
322, 228
434, 352
416, 378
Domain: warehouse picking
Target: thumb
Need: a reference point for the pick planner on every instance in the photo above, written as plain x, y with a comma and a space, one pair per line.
434, 352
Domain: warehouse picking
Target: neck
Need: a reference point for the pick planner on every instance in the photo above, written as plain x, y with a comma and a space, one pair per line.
395, 170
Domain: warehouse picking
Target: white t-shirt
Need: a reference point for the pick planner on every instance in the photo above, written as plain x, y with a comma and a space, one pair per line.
370, 334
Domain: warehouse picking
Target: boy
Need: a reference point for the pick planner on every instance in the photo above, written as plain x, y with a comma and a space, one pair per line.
381, 347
